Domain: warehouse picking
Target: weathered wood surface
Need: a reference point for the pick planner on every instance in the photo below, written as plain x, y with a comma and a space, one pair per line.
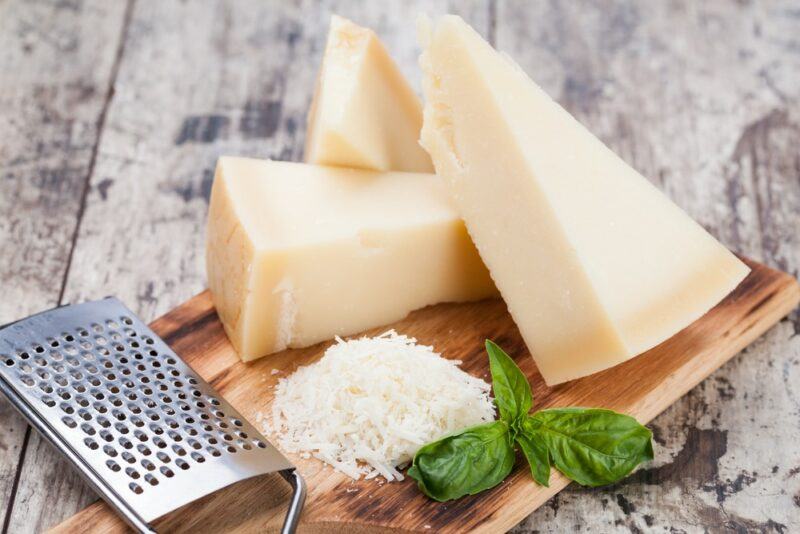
642, 387
703, 97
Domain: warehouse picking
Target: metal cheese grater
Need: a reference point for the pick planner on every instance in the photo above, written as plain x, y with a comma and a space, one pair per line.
139, 424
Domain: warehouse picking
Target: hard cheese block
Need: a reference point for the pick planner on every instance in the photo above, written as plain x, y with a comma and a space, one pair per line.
364, 113
595, 264
299, 253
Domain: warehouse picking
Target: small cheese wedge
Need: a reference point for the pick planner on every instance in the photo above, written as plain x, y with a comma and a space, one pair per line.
298, 254
364, 113
595, 264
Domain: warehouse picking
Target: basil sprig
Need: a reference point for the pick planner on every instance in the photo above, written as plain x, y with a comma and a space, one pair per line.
591, 446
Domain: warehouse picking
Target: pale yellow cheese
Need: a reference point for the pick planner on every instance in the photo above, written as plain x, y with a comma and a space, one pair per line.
595, 264
299, 253
364, 113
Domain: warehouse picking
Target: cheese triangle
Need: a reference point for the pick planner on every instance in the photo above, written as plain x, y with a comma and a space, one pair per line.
595, 264
364, 113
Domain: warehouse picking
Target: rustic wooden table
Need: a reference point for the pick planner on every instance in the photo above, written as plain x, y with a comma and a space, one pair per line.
112, 114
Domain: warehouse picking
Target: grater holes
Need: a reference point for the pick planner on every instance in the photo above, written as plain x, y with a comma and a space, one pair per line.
260, 444
70, 350
107, 436
131, 472
9, 361
194, 444
164, 457
180, 451
60, 380
144, 449
125, 442
243, 444
172, 423
241, 434
147, 464
155, 429
160, 443
137, 422
48, 401
128, 457
153, 481
100, 407
66, 408
126, 320
197, 457
44, 375
92, 368
96, 327
86, 346
54, 342
121, 428
69, 421
41, 362
108, 365
80, 388
183, 464
88, 429
110, 451
28, 381
166, 471
38, 349
94, 381
134, 408
103, 422
114, 466
141, 436
25, 367
191, 431
213, 401
64, 394
115, 401
92, 444
84, 414
213, 452
136, 488
82, 402
174, 436
231, 449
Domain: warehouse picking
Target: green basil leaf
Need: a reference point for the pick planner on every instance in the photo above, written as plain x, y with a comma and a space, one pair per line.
464, 463
512, 392
538, 457
591, 446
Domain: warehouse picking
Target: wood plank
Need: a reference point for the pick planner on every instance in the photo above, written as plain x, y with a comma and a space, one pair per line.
642, 387
56, 60
702, 98
237, 80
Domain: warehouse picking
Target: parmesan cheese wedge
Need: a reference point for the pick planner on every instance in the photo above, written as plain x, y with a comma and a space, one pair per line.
298, 254
594, 263
364, 113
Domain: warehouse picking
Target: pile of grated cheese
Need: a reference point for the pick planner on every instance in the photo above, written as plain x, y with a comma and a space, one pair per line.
369, 404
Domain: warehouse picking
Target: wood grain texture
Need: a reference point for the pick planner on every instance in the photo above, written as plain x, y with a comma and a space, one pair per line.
642, 387
56, 61
702, 97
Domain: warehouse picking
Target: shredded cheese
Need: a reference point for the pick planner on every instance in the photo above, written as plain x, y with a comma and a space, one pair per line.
369, 404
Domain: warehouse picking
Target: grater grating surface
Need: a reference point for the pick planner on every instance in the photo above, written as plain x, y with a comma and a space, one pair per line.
147, 432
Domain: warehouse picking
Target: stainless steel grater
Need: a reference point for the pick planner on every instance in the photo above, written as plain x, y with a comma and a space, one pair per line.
144, 430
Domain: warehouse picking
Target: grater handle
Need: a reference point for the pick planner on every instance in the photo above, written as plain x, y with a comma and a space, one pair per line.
298, 499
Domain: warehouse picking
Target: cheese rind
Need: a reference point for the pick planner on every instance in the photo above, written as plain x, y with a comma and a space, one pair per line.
595, 264
364, 113
298, 254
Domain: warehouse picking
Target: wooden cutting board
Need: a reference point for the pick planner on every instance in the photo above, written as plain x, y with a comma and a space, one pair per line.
642, 387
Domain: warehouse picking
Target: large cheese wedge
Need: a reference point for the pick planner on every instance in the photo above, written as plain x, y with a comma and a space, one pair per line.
364, 113
298, 254
595, 264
